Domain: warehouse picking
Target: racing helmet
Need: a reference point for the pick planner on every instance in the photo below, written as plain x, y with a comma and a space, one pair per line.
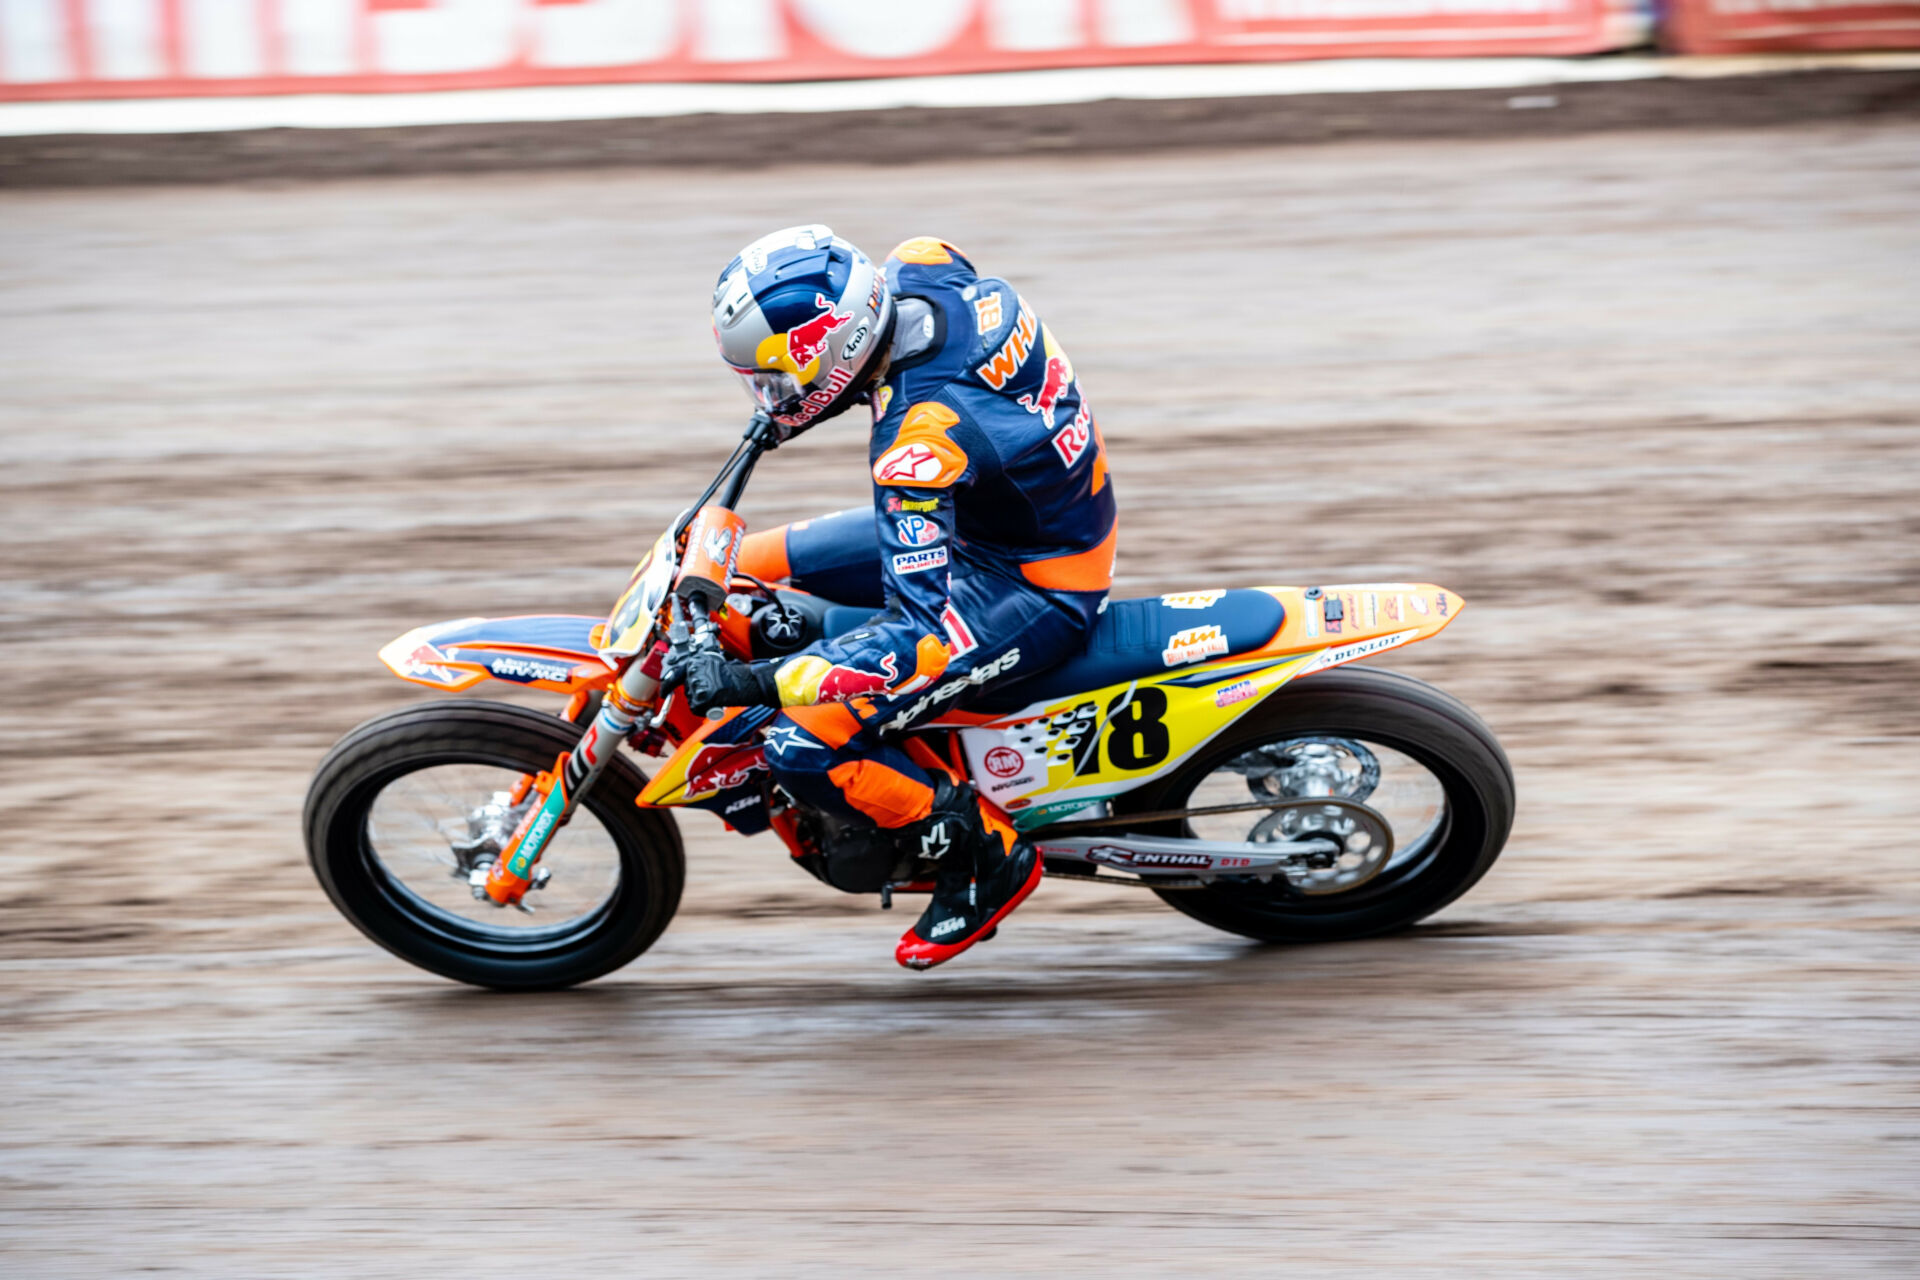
805, 319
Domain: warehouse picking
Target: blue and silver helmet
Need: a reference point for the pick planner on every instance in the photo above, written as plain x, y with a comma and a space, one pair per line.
802, 316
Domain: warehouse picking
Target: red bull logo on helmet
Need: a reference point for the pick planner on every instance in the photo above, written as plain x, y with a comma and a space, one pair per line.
798, 350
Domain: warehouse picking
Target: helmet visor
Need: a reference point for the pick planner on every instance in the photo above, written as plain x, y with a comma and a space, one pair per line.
772, 389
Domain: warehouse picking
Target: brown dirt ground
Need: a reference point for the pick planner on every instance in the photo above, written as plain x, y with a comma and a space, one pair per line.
1649, 402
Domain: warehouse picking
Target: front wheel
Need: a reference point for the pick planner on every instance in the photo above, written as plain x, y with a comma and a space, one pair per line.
1417, 758
406, 806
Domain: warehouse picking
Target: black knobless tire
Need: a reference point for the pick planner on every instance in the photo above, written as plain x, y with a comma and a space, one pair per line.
652, 865
1433, 729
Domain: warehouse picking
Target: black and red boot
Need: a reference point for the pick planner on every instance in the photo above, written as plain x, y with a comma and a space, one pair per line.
984, 873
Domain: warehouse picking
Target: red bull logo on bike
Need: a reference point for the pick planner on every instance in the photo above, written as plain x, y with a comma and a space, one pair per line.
798, 350
723, 767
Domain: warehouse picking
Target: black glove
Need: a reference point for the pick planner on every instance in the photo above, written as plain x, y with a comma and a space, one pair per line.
715, 680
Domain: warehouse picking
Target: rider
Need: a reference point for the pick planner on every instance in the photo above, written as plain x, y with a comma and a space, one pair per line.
990, 542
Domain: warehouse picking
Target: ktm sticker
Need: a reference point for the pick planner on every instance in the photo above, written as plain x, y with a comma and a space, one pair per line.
986, 312
1195, 644
920, 561
1193, 599
917, 531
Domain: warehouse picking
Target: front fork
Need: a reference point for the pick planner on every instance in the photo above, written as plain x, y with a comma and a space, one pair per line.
561, 788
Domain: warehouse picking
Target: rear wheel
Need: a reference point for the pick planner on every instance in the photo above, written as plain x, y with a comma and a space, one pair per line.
404, 808
1414, 756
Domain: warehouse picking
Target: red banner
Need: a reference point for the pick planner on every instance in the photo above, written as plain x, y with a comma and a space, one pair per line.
174, 48
1747, 26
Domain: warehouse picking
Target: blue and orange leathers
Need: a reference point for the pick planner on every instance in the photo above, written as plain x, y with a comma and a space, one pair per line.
990, 542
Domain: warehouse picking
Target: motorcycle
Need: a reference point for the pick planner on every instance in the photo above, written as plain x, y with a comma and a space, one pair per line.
1211, 747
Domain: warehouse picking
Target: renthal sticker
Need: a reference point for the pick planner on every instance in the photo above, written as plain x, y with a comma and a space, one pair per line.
1072, 440
1004, 762
911, 462
986, 313
1358, 649
526, 669
1006, 362
856, 342
1419, 603
917, 531
959, 635
717, 543
1116, 856
1195, 644
1238, 691
1193, 599
951, 689
920, 561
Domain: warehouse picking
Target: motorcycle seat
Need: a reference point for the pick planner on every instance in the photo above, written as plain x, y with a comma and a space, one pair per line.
1144, 637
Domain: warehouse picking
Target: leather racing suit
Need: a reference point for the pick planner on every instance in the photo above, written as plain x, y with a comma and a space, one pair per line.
990, 542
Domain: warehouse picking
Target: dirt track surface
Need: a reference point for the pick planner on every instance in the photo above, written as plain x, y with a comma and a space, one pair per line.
1648, 402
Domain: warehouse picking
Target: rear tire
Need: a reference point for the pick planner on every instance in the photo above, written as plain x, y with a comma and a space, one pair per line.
652, 865
1432, 728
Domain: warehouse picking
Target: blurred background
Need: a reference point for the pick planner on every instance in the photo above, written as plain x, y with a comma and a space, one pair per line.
323, 319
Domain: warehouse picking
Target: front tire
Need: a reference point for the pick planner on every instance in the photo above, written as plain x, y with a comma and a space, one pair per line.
640, 864
1406, 720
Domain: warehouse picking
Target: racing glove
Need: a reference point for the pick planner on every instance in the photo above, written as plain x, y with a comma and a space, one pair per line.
715, 680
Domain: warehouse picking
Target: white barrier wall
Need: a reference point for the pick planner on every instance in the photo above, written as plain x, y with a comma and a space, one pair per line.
133, 48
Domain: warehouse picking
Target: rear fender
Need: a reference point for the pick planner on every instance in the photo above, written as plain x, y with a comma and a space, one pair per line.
1062, 753
539, 651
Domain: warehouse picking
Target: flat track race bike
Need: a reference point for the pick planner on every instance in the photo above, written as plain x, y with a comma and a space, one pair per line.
1211, 747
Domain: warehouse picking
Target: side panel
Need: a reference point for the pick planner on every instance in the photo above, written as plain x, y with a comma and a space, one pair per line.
1067, 754
1059, 755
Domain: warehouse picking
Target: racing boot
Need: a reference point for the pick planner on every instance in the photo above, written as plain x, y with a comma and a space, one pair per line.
983, 875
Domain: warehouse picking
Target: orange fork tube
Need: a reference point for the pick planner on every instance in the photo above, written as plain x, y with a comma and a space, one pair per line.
573, 773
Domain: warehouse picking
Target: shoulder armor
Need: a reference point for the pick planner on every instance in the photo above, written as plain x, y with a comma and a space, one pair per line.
928, 251
923, 456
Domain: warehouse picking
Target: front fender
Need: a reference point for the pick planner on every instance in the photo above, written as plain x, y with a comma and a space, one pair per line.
551, 651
